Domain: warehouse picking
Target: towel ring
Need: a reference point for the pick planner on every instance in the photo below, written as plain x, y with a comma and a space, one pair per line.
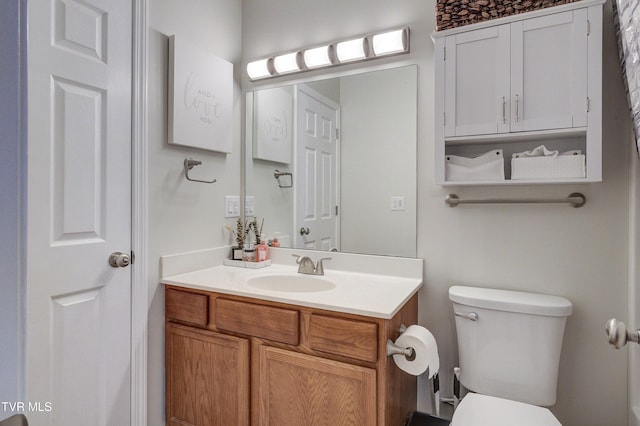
277, 174
189, 164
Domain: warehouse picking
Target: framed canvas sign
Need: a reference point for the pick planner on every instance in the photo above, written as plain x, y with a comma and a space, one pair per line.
273, 121
627, 22
200, 98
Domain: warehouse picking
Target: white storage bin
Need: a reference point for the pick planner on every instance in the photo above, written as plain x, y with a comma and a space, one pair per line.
566, 165
486, 167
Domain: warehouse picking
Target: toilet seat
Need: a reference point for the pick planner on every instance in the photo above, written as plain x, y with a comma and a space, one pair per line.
483, 410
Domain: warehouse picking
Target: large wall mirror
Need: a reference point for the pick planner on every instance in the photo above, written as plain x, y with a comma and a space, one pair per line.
331, 164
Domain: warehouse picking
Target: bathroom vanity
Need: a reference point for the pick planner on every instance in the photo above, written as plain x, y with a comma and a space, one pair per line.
239, 355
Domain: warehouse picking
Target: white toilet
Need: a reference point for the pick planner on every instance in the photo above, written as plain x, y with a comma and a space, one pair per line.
509, 346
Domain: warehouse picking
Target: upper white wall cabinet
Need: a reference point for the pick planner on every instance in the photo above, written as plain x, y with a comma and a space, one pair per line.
515, 83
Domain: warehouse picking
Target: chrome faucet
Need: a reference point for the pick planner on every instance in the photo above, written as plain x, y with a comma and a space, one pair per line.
305, 265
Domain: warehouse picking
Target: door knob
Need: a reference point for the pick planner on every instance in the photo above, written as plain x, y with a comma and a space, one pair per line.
119, 260
619, 335
304, 231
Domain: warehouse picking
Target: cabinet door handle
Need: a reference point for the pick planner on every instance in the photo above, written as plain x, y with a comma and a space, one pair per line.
517, 108
504, 110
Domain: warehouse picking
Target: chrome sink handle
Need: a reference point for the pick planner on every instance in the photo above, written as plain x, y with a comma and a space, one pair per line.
320, 266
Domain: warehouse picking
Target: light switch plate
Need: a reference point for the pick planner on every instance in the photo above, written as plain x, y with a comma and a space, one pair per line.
249, 206
232, 206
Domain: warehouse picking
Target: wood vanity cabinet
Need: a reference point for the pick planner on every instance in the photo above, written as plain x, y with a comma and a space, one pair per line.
207, 377
237, 361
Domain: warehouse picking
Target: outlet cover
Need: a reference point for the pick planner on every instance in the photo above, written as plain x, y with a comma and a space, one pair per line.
397, 204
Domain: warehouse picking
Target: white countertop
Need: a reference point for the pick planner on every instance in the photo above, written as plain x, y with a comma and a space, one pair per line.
373, 295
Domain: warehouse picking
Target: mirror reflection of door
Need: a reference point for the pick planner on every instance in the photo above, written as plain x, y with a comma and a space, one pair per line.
317, 166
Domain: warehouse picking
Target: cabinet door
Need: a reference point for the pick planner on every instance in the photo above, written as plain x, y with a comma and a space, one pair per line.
549, 72
207, 378
299, 389
477, 82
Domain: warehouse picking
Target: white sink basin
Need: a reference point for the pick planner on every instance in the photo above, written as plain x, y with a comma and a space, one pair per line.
292, 283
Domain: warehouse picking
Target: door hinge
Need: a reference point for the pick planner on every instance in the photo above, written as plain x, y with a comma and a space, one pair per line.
588, 104
588, 28
337, 133
444, 118
336, 210
444, 53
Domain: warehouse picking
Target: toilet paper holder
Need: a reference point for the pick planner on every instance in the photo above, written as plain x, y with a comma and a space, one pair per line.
393, 349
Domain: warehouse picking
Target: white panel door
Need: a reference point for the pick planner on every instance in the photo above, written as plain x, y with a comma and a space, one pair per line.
634, 321
548, 78
79, 212
477, 82
316, 172
634, 291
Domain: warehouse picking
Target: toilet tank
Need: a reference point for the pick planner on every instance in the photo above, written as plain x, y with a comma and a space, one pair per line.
512, 349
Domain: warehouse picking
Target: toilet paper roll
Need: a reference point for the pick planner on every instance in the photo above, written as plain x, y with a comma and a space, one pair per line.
426, 351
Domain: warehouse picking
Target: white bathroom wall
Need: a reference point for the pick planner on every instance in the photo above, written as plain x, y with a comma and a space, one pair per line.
184, 216
378, 135
581, 254
12, 47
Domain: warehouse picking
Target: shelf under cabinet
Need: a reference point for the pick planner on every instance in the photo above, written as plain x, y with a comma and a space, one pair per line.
562, 141
518, 182
505, 138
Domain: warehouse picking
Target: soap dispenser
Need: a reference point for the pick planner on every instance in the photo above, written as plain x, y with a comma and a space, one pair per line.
262, 249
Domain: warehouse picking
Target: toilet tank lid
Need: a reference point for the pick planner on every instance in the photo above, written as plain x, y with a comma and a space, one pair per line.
511, 301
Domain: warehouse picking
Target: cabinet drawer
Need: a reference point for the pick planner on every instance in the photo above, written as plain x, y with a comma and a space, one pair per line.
267, 322
192, 308
349, 338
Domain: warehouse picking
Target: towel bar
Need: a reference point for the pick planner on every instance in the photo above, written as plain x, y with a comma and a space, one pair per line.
576, 200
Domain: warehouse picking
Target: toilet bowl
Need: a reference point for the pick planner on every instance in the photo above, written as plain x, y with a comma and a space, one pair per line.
509, 346
483, 410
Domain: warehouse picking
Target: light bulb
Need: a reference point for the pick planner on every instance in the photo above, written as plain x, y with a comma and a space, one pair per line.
258, 69
351, 50
286, 63
390, 42
317, 57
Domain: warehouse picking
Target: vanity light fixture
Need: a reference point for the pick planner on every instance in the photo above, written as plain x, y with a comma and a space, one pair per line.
286, 63
259, 69
390, 42
357, 49
317, 57
352, 50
